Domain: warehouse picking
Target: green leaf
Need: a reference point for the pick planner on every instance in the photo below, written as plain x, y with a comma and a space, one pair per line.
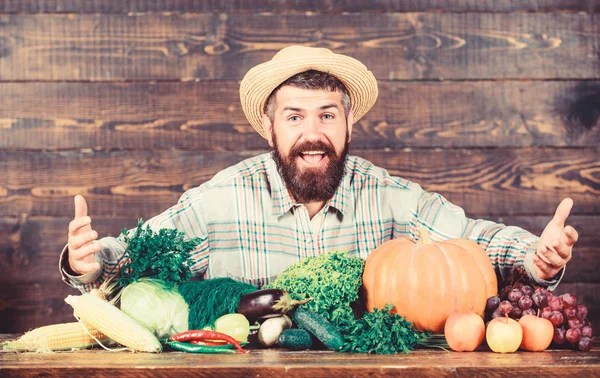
382, 332
163, 255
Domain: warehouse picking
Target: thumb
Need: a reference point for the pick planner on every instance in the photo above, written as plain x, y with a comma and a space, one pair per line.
562, 211
80, 206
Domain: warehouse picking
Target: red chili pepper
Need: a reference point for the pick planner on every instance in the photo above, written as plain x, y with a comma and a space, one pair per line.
202, 334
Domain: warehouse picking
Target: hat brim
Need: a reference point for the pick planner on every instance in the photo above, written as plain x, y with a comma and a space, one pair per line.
261, 80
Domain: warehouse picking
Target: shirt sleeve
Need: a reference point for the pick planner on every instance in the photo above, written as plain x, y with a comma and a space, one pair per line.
186, 216
506, 246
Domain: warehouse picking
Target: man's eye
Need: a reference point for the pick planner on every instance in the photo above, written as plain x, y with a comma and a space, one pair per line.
328, 116
294, 118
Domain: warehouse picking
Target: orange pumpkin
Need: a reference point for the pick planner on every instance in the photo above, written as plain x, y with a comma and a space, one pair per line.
427, 281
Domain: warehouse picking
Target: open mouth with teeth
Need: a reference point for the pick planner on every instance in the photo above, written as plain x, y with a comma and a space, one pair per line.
312, 157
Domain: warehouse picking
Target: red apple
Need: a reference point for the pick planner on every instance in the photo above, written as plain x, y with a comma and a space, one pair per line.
504, 335
464, 331
537, 333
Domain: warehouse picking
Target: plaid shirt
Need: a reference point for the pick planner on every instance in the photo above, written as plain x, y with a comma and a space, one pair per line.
251, 228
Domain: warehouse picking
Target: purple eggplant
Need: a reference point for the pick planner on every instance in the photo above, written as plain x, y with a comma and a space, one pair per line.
267, 302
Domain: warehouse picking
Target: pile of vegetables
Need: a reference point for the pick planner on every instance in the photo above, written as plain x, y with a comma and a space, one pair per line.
149, 307
192, 316
314, 303
333, 280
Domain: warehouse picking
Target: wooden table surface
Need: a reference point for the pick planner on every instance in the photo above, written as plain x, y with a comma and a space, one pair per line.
279, 363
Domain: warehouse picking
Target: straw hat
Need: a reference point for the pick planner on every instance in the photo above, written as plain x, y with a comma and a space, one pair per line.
261, 80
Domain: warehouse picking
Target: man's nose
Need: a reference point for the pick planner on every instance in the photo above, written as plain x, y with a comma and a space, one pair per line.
313, 129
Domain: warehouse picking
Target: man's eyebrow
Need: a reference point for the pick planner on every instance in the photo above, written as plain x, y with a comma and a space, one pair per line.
298, 110
329, 106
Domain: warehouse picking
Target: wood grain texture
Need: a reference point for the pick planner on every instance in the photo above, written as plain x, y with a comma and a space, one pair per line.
30, 247
292, 6
280, 363
396, 46
207, 116
142, 184
32, 305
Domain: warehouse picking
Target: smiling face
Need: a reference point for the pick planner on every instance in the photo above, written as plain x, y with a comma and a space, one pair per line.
309, 136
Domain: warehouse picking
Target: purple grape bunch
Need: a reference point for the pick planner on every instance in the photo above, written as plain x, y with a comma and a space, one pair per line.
569, 318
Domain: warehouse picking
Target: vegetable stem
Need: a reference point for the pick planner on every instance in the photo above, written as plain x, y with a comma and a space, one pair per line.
425, 238
286, 303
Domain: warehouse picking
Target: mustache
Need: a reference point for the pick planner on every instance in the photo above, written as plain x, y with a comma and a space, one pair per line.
312, 146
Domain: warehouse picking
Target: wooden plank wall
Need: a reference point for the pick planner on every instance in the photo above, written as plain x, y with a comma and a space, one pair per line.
494, 104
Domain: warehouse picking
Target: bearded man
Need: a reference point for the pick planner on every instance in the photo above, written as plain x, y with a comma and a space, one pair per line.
308, 196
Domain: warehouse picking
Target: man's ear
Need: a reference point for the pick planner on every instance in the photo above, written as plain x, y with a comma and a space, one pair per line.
350, 124
268, 128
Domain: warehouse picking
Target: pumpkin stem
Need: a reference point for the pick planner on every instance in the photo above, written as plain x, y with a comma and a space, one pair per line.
424, 233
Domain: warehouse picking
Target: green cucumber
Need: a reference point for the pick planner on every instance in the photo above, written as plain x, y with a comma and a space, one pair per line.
295, 339
320, 328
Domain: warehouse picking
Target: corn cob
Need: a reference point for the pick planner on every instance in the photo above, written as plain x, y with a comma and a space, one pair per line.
114, 323
62, 336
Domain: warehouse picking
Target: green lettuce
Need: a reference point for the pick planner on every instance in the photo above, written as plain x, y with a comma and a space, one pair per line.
332, 280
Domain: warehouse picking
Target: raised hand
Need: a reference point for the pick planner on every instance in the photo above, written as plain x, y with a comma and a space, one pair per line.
82, 248
555, 247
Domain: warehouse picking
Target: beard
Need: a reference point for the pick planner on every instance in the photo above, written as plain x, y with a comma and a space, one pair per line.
311, 184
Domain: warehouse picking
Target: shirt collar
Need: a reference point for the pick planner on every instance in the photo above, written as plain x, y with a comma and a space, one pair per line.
283, 200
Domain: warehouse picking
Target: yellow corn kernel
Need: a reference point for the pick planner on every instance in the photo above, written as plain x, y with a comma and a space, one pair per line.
114, 323
62, 336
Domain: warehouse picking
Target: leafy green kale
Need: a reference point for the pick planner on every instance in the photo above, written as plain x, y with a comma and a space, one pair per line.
381, 332
163, 255
332, 280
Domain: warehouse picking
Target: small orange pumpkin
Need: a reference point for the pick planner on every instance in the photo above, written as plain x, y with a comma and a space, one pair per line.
427, 281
